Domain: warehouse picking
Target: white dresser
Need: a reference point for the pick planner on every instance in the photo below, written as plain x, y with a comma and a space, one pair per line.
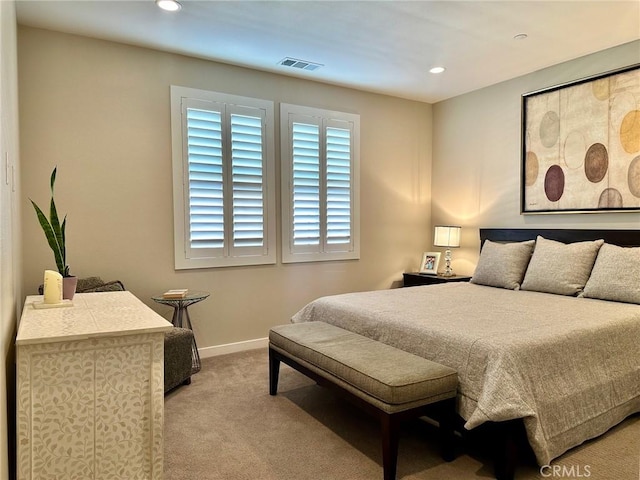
90, 389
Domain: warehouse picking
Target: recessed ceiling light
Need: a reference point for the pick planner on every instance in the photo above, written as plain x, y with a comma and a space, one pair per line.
169, 5
520, 36
437, 70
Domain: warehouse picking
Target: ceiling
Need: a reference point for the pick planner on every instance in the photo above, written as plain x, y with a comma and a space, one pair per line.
381, 46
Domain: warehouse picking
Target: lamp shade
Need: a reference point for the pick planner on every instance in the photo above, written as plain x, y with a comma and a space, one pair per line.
446, 236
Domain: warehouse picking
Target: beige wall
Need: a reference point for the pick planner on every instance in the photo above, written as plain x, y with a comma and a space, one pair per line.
476, 156
100, 112
10, 272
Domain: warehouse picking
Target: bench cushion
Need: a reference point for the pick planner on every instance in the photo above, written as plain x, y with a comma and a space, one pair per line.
386, 373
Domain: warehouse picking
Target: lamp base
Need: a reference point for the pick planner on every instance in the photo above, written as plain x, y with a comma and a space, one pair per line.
447, 264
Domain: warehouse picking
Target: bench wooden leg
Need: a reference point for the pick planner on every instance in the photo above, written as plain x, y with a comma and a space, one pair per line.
274, 372
389, 446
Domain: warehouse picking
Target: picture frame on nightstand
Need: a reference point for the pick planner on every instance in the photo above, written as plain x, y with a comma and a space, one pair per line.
429, 263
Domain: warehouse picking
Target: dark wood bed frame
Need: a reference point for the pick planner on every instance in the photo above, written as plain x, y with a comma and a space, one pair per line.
623, 238
510, 437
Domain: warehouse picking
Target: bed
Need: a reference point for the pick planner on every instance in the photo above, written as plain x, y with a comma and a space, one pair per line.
549, 337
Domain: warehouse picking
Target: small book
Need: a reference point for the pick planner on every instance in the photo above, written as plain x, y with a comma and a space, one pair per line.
175, 293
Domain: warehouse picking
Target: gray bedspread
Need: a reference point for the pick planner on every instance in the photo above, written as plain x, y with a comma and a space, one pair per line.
569, 366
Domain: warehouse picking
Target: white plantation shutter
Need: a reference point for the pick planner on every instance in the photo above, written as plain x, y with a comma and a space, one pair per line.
225, 159
320, 167
247, 180
306, 184
338, 187
206, 203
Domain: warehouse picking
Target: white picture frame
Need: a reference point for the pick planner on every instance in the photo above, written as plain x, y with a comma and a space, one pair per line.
429, 263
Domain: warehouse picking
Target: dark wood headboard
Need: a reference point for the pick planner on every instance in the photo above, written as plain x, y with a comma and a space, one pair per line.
623, 238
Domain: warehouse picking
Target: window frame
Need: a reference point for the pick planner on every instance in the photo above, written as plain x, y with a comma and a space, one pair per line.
229, 255
325, 119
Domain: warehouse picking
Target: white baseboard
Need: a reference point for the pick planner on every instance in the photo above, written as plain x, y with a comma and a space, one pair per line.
216, 350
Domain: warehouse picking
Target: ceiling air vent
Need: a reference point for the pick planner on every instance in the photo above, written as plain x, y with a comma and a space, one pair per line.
301, 64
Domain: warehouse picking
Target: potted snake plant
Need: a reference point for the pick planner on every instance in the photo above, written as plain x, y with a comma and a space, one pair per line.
54, 232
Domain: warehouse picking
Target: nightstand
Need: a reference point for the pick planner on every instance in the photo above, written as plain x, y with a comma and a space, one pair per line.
414, 278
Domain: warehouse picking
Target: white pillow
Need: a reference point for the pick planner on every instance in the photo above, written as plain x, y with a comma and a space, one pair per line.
561, 268
615, 275
503, 264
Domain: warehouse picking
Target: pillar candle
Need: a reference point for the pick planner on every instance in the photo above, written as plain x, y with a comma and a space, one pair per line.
52, 287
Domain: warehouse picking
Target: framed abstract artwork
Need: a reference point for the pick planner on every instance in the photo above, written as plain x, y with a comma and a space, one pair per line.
581, 145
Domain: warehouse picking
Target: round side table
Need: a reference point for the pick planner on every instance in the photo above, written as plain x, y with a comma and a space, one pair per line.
181, 318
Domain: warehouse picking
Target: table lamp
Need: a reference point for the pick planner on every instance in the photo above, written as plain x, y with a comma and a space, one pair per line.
447, 236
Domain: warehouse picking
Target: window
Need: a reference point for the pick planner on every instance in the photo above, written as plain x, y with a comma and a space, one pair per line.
223, 179
320, 184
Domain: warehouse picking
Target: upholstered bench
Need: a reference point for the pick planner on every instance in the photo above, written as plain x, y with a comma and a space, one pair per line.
387, 382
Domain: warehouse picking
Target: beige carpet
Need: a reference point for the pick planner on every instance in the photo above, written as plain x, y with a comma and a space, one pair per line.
225, 426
